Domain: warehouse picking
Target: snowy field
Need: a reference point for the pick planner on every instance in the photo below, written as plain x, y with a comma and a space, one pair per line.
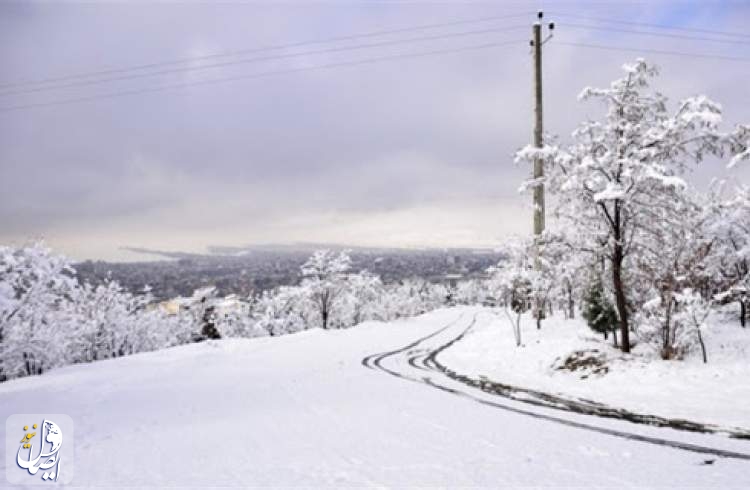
303, 410
714, 393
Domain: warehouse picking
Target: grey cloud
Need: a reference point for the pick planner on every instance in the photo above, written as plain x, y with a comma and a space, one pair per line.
339, 154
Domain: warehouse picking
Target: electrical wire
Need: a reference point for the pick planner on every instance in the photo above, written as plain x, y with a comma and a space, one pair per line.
223, 64
656, 34
655, 51
262, 75
563, 15
334, 39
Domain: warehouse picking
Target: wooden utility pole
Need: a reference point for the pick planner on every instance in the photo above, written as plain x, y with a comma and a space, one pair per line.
539, 214
538, 128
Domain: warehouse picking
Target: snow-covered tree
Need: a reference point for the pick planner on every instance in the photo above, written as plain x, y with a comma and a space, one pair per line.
611, 182
471, 292
692, 312
235, 317
562, 266
517, 284
109, 321
432, 295
325, 277
281, 311
35, 288
685, 314
411, 297
404, 299
674, 253
364, 297
730, 261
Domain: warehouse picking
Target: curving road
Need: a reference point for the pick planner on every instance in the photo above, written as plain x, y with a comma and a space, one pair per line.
418, 362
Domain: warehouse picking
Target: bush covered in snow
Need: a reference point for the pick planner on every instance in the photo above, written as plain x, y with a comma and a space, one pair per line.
48, 319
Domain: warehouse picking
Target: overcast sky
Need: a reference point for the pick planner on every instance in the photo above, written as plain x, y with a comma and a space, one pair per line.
403, 152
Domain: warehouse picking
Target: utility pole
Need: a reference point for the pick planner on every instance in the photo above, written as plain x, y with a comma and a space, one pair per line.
536, 46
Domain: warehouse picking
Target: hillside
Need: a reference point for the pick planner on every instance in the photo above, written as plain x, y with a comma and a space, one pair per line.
304, 409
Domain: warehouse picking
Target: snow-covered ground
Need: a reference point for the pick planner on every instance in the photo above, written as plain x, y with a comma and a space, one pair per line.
715, 393
303, 410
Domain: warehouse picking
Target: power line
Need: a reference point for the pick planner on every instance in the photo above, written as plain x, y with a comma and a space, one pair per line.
655, 51
178, 61
263, 75
656, 34
653, 26
257, 60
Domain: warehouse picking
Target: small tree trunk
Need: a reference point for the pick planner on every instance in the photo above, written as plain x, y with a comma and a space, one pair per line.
667, 338
518, 330
703, 346
571, 303
515, 324
743, 312
614, 338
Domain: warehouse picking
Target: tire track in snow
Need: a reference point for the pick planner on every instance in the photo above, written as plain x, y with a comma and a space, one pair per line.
374, 361
585, 407
428, 362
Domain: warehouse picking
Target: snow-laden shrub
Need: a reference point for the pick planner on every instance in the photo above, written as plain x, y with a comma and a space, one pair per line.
471, 292
48, 319
109, 322
673, 324
519, 286
730, 258
364, 299
36, 288
280, 311
412, 297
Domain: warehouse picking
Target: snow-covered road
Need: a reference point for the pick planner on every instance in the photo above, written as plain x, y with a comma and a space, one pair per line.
303, 410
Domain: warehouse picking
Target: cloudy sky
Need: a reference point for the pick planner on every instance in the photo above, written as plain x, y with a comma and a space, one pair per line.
406, 151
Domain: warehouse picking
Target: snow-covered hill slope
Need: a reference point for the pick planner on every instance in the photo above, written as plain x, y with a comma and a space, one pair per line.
303, 410
714, 393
